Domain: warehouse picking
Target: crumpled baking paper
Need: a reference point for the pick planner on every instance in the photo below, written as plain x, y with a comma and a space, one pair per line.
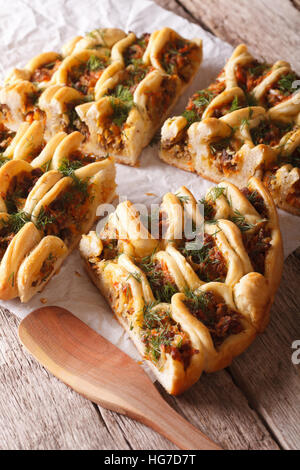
30, 27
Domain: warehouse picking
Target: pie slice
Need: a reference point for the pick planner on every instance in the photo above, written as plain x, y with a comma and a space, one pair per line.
244, 124
192, 284
49, 195
113, 87
136, 93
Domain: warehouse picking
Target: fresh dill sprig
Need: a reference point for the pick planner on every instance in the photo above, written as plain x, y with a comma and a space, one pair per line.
95, 63
44, 219
191, 116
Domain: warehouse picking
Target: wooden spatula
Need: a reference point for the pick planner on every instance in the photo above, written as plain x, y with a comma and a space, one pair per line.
101, 372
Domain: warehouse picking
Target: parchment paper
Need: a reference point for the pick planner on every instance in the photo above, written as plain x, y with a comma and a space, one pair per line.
30, 27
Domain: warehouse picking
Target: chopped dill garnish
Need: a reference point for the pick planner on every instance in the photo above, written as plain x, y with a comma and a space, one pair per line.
94, 63
43, 219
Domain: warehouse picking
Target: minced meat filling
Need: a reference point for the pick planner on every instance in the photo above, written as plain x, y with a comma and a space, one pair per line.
216, 315
224, 153
159, 101
162, 335
293, 159
66, 214
45, 72
293, 197
269, 133
161, 282
6, 136
134, 53
84, 77
250, 75
208, 261
198, 103
257, 245
110, 249
46, 269
257, 201
82, 158
177, 57
6, 237
19, 188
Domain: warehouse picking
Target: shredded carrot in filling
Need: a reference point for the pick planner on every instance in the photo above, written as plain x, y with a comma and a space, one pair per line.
65, 215
134, 53
45, 72
250, 75
159, 101
281, 90
162, 335
198, 103
216, 315
84, 77
46, 269
178, 57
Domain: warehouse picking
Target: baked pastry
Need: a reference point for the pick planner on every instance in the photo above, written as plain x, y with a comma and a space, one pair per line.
244, 124
48, 198
138, 90
113, 87
193, 284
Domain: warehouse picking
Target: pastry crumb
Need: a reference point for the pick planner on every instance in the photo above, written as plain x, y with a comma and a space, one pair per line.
151, 194
78, 273
43, 300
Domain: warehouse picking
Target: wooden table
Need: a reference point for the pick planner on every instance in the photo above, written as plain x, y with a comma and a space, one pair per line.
255, 403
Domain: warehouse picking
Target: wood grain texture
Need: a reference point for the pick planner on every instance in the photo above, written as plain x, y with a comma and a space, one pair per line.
39, 412
269, 27
266, 373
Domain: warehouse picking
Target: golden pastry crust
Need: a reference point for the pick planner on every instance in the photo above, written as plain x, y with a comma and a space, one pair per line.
205, 282
244, 124
35, 176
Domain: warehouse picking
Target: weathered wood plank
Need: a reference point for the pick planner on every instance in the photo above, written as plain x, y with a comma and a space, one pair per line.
269, 27
39, 412
219, 408
266, 374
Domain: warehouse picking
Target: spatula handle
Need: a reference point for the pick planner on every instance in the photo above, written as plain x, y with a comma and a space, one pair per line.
174, 427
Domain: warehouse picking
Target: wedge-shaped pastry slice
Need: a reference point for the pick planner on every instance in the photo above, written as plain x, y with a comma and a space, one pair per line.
220, 137
142, 87
216, 286
172, 349
18, 237
39, 266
